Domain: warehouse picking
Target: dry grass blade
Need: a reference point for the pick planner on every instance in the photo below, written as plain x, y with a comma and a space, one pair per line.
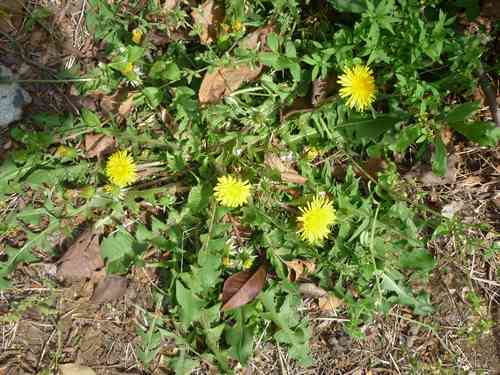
243, 287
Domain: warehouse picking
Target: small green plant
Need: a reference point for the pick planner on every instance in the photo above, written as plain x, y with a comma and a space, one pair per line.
240, 186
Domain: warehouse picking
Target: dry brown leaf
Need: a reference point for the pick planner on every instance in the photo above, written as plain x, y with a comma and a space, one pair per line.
287, 173
321, 88
329, 303
75, 369
223, 81
427, 178
126, 106
257, 38
110, 288
471, 181
170, 5
243, 287
98, 145
122, 102
297, 268
311, 290
208, 15
371, 167
81, 259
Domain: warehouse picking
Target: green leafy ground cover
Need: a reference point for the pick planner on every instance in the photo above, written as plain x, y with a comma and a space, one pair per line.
250, 89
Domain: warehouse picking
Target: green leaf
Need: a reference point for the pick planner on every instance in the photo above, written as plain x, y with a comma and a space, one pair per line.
273, 41
240, 338
183, 364
90, 118
117, 251
371, 128
461, 112
483, 133
190, 305
405, 297
352, 6
154, 96
439, 158
419, 259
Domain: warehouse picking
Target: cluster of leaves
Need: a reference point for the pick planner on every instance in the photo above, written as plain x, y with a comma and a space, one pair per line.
168, 108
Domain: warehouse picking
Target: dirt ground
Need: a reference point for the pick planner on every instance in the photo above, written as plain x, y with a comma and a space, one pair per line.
44, 324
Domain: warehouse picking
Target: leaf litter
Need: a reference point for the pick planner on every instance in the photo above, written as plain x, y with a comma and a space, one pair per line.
242, 287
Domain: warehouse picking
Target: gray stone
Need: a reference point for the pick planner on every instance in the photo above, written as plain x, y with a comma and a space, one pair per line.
12, 99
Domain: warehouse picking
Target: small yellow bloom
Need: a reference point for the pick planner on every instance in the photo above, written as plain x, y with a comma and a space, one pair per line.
127, 69
121, 169
312, 153
226, 261
358, 85
63, 151
137, 36
237, 25
247, 263
317, 218
232, 192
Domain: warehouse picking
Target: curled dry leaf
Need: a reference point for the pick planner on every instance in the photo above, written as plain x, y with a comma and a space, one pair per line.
287, 173
98, 145
110, 288
257, 38
223, 81
329, 303
75, 369
208, 16
311, 290
297, 268
427, 178
243, 287
81, 259
321, 88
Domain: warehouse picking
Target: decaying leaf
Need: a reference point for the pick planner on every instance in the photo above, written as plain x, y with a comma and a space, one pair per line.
321, 88
208, 16
297, 268
81, 259
75, 369
370, 168
257, 38
329, 303
287, 173
223, 81
110, 288
243, 287
427, 178
311, 290
98, 145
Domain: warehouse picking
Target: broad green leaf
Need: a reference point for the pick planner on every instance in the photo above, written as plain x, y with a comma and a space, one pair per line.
371, 128
419, 259
154, 96
183, 364
90, 118
240, 337
439, 158
483, 133
190, 305
117, 251
461, 112
352, 6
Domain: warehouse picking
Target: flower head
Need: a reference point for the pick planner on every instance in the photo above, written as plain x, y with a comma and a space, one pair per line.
137, 36
358, 85
121, 169
128, 68
232, 192
316, 219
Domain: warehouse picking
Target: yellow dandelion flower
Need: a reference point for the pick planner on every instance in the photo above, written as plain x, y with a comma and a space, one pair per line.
137, 36
63, 151
121, 169
237, 25
247, 263
358, 85
317, 218
312, 153
127, 69
232, 192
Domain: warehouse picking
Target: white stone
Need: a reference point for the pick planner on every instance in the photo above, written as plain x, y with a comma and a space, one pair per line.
12, 99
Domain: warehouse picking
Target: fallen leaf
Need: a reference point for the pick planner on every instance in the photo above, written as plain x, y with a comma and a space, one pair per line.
170, 4
127, 105
449, 210
371, 167
110, 288
311, 290
257, 38
297, 268
321, 88
287, 173
98, 145
329, 303
243, 287
471, 181
81, 259
75, 369
427, 178
208, 15
223, 81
